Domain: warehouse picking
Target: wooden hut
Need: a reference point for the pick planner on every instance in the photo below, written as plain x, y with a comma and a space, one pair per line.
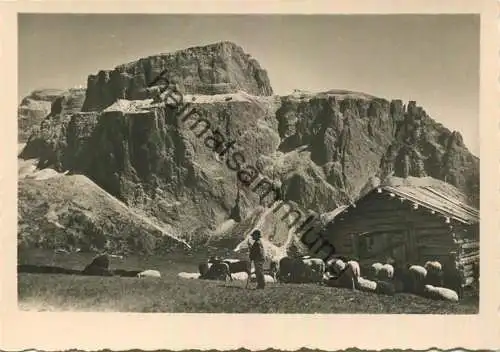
407, 224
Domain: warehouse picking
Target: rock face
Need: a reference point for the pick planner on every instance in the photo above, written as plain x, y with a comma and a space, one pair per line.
321, 149
213, 69
33, 109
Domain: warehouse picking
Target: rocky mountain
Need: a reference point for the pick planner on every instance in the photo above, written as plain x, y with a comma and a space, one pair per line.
321, 149
33, 109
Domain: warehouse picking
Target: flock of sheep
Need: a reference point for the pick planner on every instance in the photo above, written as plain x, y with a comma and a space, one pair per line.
431, 280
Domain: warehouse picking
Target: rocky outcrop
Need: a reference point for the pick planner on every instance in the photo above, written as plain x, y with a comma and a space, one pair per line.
212, 69
322, 150
33, 109
52, 134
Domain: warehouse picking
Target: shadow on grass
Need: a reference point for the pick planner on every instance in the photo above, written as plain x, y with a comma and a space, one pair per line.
46, 269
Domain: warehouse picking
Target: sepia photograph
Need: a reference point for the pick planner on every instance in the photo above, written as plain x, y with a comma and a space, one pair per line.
248, 163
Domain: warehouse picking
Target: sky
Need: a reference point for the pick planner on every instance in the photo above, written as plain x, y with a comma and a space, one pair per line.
433, 59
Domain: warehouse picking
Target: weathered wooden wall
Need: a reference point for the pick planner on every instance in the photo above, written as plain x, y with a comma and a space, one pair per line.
422, 234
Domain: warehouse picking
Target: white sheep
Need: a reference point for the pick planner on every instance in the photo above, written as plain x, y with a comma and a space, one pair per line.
184, 275
267, 278
353, 267
375, 270
352, 273
418, 274
440, 293
386, 272
433, 266
337, 265
241, 276
149, 273
367, 285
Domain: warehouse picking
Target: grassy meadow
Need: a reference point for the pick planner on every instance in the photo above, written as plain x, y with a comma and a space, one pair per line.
59, 292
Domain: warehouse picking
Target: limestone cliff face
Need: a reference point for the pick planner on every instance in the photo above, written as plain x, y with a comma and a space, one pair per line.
321, 149
213, 69
33, 109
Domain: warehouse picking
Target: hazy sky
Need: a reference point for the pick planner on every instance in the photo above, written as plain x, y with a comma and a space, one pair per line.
433, 59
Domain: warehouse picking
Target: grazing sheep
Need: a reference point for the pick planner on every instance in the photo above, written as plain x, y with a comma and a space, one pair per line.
184, 275
354, 268
149, 273
300, 270
366, 285
242, 276
218, 271
440, 293
203, 268
336, 266
351, 274
375, 270
433, 266
417, 277
235, 266
268, 279
434, 275
386, 272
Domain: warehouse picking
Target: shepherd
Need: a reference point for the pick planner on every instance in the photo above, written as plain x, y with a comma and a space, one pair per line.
257, 256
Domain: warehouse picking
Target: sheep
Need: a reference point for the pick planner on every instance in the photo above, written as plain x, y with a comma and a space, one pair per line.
417, 276
241, 276
386, 272
218, 271
149, 273
351, 273
440, 293
366, 285
235, 266
375, 270
184, 275
267, 279
433, 265
434, 273
203, 268
335, 266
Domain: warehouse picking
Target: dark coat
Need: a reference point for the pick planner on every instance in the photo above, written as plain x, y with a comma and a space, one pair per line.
257, 251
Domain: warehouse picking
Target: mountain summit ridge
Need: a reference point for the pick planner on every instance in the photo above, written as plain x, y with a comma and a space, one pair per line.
322, 148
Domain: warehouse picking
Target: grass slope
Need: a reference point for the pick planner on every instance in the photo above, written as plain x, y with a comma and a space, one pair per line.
64, 209
172, 294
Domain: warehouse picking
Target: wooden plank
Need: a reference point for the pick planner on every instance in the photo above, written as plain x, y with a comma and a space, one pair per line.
437, 243
468, 273
469, 281
470, 254
470, 245
468, 266
469, 260
431, 224
411, 246
443, 237
437, 231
